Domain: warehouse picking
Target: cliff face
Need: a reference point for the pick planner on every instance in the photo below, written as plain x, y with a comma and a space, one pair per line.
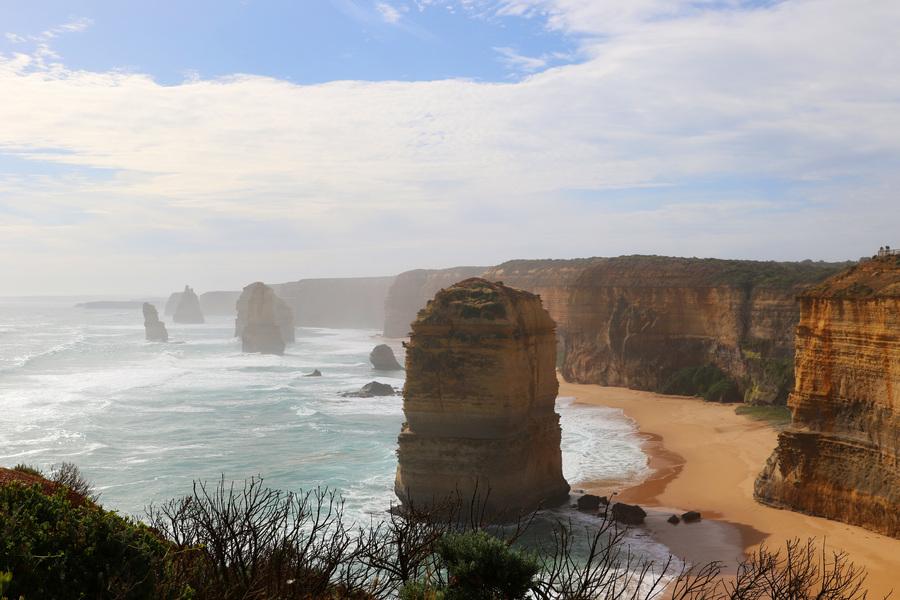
154, 329
411, 290
265, 323
479, 401
552, 280
718, 328
840, 458
356, 302
188, 308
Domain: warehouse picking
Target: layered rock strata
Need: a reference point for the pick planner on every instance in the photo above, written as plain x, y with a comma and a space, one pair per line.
840, 457
479, 402
411, 290
154, 329
718, 328
265, 323
188, 308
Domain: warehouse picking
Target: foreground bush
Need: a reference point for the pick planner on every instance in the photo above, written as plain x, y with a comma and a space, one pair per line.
52, 549
250, 542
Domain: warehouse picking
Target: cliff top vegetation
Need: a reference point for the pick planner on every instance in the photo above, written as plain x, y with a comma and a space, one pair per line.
878, 277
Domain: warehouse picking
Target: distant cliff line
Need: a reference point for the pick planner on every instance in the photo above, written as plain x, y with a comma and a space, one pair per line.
718, 328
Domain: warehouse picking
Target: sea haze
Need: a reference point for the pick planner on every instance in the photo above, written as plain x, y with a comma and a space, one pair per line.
143, 420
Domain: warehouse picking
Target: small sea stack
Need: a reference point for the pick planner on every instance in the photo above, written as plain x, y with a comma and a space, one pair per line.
383, 359
265, 323
479, 402
154, 329
188, 309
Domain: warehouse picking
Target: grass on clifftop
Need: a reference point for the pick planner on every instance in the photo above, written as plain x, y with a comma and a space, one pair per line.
776, 416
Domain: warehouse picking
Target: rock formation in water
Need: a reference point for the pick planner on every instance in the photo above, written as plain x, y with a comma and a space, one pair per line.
265, 323
371, 390
188, 309
383, 359
840, 457
154, 329
722, 329
480, 400
412, 289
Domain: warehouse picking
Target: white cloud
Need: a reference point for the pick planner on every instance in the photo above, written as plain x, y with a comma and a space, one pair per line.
520, 62
366, 177
388, 13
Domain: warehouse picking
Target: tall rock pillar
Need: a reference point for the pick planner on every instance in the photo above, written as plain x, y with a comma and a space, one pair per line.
480, 400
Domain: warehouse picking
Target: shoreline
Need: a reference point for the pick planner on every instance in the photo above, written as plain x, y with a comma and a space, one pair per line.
704, 457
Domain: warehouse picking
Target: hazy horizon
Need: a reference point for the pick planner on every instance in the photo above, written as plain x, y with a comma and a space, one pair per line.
216, 144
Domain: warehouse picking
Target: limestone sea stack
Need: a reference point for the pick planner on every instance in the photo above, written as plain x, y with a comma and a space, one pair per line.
479, 402
154, 329
383, 359
265, 323
840, 457
188, 308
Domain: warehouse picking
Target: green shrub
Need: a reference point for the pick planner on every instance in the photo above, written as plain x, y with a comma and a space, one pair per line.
23, 468
482, 567
707, 381
56, 550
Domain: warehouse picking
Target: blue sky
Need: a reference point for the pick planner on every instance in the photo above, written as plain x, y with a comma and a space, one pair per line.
307, 41
148, 144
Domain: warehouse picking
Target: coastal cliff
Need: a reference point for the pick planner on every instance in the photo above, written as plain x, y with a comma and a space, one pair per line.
265, 323
722, 329
411, 290
353, 302
840, 457
479, 401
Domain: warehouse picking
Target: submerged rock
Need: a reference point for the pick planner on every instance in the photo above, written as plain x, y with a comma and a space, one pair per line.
479, 402
188, 308
264, 322
383, 359
154, 329
371, 390
315, 373
629, 514
674, 520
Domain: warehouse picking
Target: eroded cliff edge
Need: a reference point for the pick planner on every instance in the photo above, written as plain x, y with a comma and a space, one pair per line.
840, 458
479, 401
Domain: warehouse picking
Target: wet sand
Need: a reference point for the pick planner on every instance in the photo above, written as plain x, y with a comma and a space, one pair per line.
704, 457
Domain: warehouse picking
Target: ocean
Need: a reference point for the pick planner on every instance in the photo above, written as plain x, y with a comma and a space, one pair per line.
144, 420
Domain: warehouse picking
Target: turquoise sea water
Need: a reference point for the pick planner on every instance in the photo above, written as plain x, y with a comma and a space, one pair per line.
143, 420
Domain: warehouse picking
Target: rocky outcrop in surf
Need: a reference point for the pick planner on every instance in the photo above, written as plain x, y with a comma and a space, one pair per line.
265, 323
411, 290
383, 359
154, 329
840, 457
479, 401
188, 309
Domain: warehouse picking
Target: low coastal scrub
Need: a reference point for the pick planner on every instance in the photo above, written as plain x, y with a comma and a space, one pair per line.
246, 541
707, 381
777, 416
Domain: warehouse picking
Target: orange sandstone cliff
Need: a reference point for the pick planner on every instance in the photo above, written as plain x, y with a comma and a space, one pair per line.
722, 329
479, 401
840, 458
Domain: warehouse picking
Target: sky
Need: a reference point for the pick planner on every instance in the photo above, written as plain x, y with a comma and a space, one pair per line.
145, 145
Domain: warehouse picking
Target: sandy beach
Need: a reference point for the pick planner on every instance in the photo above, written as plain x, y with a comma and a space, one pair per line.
705, 457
